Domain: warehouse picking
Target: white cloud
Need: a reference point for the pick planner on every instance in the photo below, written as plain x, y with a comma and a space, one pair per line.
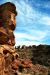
29, 14
19, 36
26, 12
27, 43
36, 37
45, 20
8, 0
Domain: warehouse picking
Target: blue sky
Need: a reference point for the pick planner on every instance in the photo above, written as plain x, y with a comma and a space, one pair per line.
33, 22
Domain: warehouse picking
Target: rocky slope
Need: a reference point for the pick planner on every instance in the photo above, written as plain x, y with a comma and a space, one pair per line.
37, 54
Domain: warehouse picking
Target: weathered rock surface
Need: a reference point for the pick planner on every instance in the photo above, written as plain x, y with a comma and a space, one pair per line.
7, 36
